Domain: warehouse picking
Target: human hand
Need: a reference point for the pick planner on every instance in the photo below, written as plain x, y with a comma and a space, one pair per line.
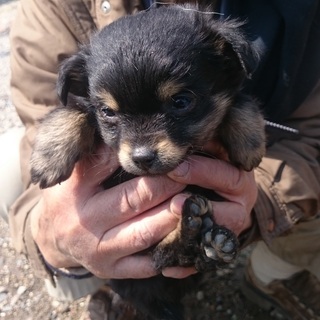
238, 187
78, 223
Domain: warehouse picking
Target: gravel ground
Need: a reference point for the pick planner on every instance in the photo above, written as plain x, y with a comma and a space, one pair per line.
8, 117
22, 296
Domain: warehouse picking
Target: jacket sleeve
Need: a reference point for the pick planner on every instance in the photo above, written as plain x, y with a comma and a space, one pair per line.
288, 178
42, 35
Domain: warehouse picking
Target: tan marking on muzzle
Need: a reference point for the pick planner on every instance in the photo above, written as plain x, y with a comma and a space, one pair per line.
125, 149
167, 149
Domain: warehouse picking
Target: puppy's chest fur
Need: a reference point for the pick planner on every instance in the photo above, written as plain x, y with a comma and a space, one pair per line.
157, 87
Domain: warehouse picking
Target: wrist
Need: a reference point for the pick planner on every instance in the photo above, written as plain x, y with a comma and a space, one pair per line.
42, 235
37, 259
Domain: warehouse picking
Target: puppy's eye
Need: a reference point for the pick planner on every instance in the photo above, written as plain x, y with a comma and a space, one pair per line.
182, 103
108, 112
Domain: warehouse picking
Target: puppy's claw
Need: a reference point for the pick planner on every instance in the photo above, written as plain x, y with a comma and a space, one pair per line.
211, 253
194, 223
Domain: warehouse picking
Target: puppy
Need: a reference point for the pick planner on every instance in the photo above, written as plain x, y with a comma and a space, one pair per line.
156, 87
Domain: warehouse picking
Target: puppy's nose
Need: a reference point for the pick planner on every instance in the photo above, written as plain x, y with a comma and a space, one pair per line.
143, 157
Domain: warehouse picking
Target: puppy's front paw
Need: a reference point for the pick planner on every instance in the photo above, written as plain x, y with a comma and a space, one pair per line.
218, 245
49, 171
199, 241
247, 159
63, 137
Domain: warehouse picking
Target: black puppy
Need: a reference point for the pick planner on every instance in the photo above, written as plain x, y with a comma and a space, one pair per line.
156, 87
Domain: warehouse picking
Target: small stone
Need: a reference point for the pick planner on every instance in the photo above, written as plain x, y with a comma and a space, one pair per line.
219, 307
3, 289
3, 296
229, 311
21, 290
200, 295
55, 304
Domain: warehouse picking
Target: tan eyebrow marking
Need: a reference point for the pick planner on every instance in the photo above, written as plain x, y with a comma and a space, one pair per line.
168, 89
109, 100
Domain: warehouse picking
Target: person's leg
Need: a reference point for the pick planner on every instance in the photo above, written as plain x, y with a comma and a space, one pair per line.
268, 267
301, 247
286, 274
10, 174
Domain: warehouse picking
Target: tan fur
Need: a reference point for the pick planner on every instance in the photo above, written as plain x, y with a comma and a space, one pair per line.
63, 139
109, 100
169, 151
168, 89
208, 126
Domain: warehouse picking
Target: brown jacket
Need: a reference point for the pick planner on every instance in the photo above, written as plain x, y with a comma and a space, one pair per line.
46, 31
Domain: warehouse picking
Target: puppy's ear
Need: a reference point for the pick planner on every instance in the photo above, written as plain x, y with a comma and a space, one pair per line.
231, 52
73, 76
234, 45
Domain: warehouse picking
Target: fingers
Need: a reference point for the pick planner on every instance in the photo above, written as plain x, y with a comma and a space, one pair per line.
141, 232
117, 251
232, 216
217, 175
209, 173
237, 187
130, 199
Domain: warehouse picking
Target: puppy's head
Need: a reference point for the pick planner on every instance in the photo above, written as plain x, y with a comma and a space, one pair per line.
158, 83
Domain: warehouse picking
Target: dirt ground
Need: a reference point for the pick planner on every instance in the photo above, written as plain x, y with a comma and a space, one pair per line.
22, 296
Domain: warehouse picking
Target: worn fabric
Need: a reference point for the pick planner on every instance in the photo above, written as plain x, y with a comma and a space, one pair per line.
299, 250
267, 267
47, 31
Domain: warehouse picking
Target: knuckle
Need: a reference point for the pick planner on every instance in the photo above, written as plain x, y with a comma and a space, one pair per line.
131, 198
225, 176
142, 237
237, 180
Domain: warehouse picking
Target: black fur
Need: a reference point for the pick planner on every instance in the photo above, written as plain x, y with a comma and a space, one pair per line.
156, 87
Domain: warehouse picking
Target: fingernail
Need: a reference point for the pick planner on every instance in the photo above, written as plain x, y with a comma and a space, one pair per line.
181, 170
178, 272
177, 203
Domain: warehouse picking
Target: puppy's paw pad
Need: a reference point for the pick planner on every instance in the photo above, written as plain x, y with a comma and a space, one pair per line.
196, 216
220, 244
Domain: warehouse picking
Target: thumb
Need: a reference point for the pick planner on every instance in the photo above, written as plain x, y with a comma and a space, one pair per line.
95, 168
